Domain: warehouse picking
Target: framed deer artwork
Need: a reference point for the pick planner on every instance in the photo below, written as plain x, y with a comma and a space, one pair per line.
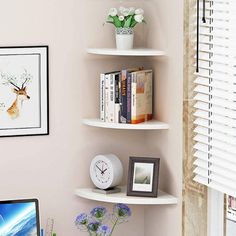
24, 108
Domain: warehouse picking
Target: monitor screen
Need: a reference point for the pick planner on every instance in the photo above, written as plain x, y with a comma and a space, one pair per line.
19, 218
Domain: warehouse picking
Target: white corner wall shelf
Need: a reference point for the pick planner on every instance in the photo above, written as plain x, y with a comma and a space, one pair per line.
162, 199
149, 125
133, 52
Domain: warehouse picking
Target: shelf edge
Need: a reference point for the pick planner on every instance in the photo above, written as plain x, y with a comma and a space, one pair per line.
171, 200
149, 125
134, 52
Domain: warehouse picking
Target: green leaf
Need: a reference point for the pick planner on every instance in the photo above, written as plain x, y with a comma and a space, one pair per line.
128, 22
117, 22
122, 23
133, 24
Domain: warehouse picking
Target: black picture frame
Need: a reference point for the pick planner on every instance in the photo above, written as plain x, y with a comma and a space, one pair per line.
31, 200
42, 128
143, 176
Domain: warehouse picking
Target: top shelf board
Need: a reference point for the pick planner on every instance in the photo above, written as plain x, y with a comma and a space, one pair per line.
143, 52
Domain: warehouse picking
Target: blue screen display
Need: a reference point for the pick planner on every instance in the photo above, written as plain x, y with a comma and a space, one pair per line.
18, 219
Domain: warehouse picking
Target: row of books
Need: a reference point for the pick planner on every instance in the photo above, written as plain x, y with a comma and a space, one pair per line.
126, 96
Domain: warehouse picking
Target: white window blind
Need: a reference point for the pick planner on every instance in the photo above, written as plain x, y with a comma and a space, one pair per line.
215, 96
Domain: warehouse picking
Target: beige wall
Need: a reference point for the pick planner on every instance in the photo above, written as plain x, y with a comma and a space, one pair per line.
167, 33
50, 167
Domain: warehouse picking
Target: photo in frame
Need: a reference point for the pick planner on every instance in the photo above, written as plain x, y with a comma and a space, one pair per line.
24, 106
143, 177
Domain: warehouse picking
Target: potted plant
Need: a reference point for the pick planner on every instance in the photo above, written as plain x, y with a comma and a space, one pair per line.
124, 20
97, 222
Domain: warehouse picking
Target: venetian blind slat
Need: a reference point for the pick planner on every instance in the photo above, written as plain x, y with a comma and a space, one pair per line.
215, 97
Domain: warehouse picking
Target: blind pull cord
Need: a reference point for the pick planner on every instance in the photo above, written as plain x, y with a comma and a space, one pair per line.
197, 62
204, 21
204, 11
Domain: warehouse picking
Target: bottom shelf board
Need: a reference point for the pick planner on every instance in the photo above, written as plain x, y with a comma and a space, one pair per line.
121, 197
149, 125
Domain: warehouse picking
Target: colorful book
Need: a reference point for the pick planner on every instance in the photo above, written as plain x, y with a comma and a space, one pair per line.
123, 108
124, 94
133, 96
141, 97
129, 82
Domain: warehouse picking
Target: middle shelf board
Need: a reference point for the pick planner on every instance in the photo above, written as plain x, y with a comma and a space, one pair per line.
162, 199
149, 125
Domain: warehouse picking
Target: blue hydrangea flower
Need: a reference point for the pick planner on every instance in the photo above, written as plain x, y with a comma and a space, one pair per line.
81, 219
94, 223
121, 211
103, 230
93, 226
98, 212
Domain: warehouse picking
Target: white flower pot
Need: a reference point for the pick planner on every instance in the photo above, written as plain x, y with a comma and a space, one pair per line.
124, 38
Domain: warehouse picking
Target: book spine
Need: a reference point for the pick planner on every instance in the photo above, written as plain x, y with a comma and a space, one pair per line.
143, 97
149, 95
107, 97
123, 116
133, 98
111, 98
102, 97
129, 82
140, 98
120, 76
117, 98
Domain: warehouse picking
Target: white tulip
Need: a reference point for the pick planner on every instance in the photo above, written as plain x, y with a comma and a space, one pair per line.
113, 12
139, 18
139, 11
121, 18
125, 12
131, 11
121, 9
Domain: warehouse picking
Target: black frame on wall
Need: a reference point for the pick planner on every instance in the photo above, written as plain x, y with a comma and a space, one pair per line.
43, 68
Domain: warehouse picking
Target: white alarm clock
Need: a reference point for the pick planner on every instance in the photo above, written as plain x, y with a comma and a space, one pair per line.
106, 171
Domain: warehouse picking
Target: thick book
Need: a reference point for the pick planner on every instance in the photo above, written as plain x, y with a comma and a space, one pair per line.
123, 108
126, 95
111, 97
129, 94
141, 97
102, 97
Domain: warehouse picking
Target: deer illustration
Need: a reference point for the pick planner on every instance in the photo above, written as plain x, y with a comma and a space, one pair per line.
21, 95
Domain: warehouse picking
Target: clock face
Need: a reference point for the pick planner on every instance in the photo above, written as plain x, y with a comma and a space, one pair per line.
102, 172
106, 171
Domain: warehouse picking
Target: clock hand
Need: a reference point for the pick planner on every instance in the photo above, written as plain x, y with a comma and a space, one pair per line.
104, 171
99, 168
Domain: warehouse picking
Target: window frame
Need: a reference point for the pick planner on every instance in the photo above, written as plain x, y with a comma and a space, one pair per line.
216, 215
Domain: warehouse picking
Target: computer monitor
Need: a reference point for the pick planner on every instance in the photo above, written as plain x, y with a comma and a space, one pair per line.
19, 218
